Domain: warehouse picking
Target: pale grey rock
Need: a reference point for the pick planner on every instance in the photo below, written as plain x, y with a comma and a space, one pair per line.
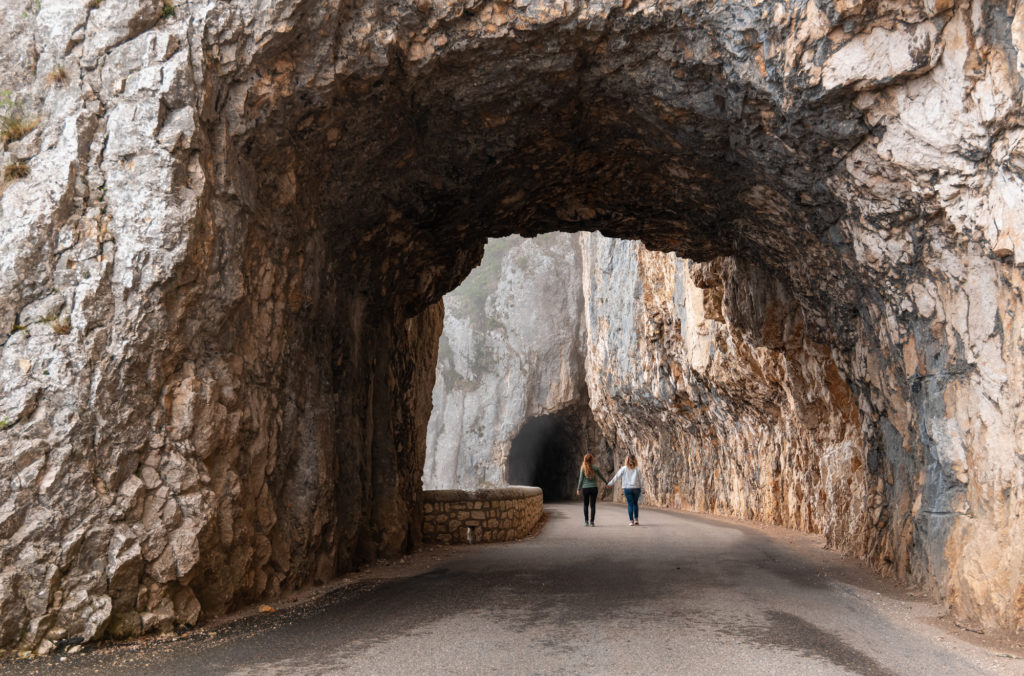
876, 58
112, 22
511, 350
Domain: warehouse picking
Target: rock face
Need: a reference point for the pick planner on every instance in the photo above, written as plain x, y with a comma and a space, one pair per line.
703, 370
226, 228
706, 372
511, 350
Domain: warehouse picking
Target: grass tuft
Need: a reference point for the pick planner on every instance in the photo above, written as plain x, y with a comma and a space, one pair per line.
61, 326
15, 126
14, 171
58, 76
14, 122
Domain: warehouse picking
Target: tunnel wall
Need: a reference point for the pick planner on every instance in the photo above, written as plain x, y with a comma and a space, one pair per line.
493, 514
216, 279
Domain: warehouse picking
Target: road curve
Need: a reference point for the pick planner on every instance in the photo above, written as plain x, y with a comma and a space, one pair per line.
679, 594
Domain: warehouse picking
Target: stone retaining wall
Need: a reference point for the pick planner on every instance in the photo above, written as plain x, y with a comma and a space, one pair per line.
493, 515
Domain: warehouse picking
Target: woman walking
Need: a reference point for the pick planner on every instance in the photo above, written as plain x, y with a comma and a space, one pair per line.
632, 484
588, 485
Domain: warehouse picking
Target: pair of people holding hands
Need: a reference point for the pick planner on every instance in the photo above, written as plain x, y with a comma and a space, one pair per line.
632, 484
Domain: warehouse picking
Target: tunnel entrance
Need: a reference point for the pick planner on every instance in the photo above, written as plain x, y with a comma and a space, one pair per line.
548, 450
543, 454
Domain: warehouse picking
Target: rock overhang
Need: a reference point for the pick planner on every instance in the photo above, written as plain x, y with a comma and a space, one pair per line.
605, 122
321, 174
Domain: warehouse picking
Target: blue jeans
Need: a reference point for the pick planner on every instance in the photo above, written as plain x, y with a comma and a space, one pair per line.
632, 498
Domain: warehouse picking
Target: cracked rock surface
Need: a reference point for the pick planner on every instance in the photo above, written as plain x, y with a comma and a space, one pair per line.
226, 229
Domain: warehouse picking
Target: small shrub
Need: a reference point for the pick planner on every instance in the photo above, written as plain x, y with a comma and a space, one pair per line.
167, 11
94, 4
5, 423
14, 122
14, 171
62, 326
33, 8
58, 76
16, 127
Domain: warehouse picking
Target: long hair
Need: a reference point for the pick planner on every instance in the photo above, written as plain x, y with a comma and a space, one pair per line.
631, 461
588, 466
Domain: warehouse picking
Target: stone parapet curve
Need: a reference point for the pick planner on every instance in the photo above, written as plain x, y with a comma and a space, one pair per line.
485, 515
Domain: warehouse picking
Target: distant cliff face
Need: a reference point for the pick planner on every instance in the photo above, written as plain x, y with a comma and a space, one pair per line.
707, 373
511, 350
226, 228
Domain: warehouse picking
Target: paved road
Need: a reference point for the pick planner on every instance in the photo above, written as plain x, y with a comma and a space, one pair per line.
680, 594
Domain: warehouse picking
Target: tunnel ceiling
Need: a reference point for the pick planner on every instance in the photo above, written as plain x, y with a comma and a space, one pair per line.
641, 126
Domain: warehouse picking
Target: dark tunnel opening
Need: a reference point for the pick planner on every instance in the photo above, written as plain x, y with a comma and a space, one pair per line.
544, 454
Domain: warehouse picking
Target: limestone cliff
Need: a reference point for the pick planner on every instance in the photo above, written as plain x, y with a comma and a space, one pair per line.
706, 373
226, 227
511, 350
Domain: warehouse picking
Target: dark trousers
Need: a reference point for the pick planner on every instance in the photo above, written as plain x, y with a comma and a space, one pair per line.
632, 500
589, 500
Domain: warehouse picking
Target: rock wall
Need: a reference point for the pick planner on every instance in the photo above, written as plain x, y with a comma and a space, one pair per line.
224, 226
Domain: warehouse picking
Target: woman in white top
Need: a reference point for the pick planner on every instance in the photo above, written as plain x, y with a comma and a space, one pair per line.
632, 484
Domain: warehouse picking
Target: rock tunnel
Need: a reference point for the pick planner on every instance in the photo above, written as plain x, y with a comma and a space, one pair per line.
535, 458
546, 451
290, 191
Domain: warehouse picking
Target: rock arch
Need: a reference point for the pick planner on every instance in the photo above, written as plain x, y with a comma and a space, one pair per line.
249, 234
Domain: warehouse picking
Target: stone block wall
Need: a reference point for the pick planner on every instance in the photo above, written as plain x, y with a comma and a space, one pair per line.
495, 514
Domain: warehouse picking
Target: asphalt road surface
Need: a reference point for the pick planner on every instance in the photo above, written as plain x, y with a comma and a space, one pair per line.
679, 594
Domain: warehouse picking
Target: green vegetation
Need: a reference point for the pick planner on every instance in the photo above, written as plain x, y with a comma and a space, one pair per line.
471, 303
167, 11
5, 423
33, 8
445, 354
61, 326
484, 359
